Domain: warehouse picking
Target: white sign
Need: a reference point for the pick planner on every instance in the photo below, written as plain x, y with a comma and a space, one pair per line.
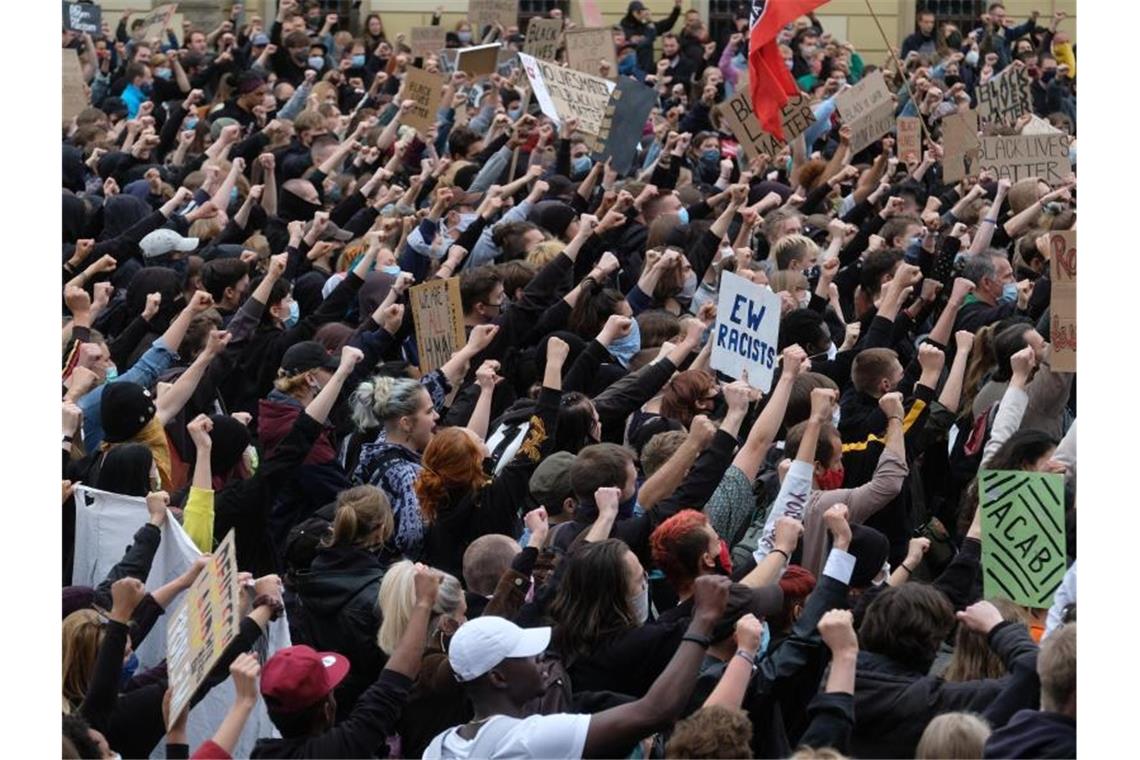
746, 330
561, 90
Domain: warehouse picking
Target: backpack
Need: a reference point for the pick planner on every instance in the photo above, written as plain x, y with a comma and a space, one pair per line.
304, 539
509, 433
968, 446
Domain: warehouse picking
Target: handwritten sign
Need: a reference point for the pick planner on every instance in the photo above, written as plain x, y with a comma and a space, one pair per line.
630, 105
203, 626
478, 61
909, 135
82, 18
542, 38
562, 92
1039, 126
868, 109
154, 23
1005, 97
587, 48
960, 145
1016, 157
490, 12
74, 96
427, 40
426, 90
1063, 300
438, 316
746, 330
1023, 535
737, 114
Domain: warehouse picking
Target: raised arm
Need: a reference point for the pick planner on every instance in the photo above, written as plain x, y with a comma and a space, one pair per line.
767, 425
733, 685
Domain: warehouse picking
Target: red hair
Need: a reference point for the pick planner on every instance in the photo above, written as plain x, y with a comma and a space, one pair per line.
452, 462
797, 583
682, 394
677, 545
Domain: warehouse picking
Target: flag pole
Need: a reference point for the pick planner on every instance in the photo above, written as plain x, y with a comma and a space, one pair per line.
902, 73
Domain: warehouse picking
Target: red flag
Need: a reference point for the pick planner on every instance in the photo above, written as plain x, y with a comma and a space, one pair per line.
769, 79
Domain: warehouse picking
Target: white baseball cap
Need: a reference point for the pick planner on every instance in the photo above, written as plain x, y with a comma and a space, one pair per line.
481, 644
163, 241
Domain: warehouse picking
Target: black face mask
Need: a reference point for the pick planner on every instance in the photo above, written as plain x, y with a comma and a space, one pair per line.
720, 406
952, 79
1048, 76
954, 40
292, 207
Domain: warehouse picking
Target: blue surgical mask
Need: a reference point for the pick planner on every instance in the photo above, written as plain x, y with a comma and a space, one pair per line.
640, 604
581, 165
684, 214
972, 58
358, 61
234, 195
163, 73
765, 640
112, 373
712, 155
147, 87
1008, 293
623, 349
191, 122
316, 62
392, 269
835, 417
515, 113
464, 37
294, 314
130, 665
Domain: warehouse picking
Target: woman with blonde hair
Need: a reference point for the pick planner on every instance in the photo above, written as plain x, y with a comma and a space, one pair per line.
973, 658
954, 736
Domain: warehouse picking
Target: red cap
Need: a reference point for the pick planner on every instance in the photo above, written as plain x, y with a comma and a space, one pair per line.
298, 677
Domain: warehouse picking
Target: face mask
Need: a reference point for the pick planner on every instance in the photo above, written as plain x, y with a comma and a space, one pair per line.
1048, 76
627, 65
333, 194
251, 459
163, 73
147, 87
972, 58
1008, 293
392, 269
112, 373
689, 288
724, 560
640, 604
626, 508
835, 415
234, 195
192, 122
765, 640
882, 576
316, 62
581, 165
710, 156
684, 214
789, 63
294, 315
952, 79
358, 61
464, 37
129, 667
954, 40
829, 480
623, 349
812, 274
804, 300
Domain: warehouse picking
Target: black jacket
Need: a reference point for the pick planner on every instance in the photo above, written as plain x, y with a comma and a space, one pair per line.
339, 596
1034, 734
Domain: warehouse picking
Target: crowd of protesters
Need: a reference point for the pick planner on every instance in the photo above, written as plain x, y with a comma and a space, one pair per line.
574, 538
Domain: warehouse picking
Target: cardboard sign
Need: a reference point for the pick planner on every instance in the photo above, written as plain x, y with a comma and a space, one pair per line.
1019, 156
868, 109
155, 23
1005, 97
630, 105
543, 38
587, 48
478, 61
736, 113
1063, 300
74, 96
562, 92
747, 327
426, 89
909, 137
1038, 126
1023, 535
438, 316
82, 18
427, 40
960, 145
482, 13
203, 626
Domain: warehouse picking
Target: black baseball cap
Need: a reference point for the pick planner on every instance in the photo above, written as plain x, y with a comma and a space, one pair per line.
307, 355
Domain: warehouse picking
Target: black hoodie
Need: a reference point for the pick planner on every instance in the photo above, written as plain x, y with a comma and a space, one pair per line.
1033, 733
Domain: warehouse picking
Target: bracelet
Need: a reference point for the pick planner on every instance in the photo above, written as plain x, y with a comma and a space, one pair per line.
894, 417
990, 220
704, 641
749, 657
786, 557
67, 438
272, 602
904, 567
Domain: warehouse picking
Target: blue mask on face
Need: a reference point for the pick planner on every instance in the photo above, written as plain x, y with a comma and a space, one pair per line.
294, 315
147, 87
627, 65
392, 269
623, 349
684, 214
464, 37
1008, 293
710, 156
112, 373
627, 507
191, 122
130, 665
358, 61
581, 165
316, 62
163, 73
765, 640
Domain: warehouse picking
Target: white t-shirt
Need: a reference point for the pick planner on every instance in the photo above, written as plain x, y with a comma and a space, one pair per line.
539, 736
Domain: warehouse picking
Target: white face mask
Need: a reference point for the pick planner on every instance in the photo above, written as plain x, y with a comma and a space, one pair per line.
835, 418
640, 604
883, 575
832, 350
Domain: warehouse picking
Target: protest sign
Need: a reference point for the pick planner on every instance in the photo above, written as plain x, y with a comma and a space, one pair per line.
202, 628
563, 92
438, 316
82, 18
427, 40
490, 12
746, 329
1023, 535
587, 48
478, 61
74, 96
542, 38
868, 109
629, 107
154, 23
426, 90
1038, 126
736, 113
909, 137
1005, 97
1063, 300
960, 145
1016, 157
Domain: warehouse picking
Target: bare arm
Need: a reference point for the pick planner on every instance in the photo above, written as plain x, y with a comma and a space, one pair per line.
951, 394
733, 685
989, 222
